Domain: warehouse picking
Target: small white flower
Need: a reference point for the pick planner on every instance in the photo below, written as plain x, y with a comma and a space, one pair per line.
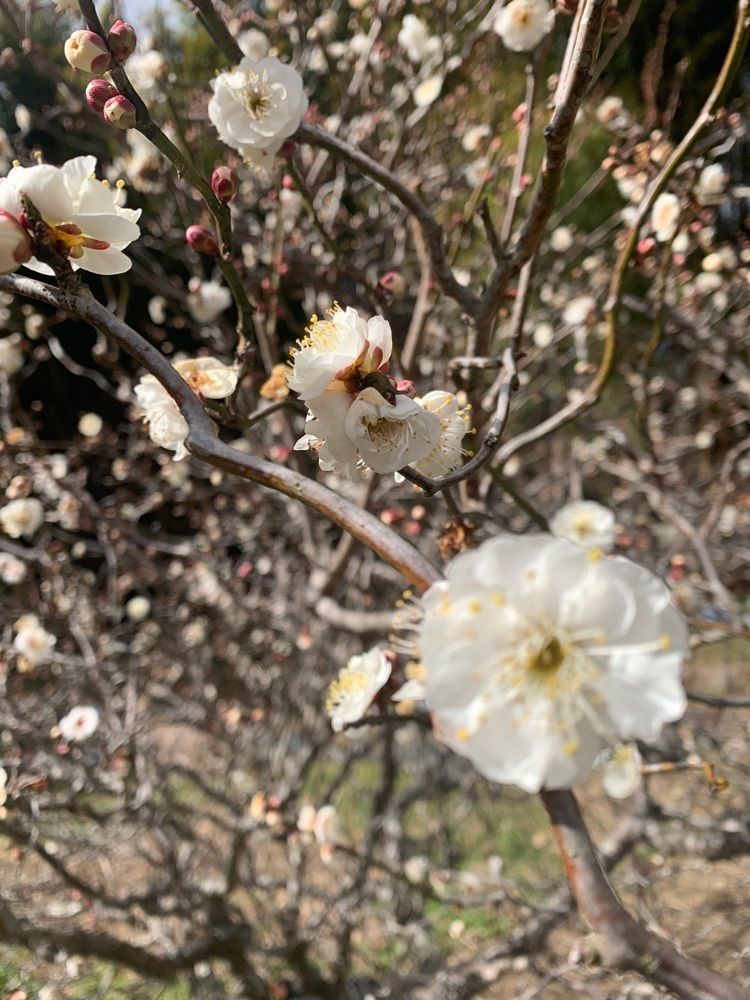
351, 694
256, 106
32, 641
428, 90
84, 217
538, 655
579, 310
22, 518
522, 24
561, 239
79, 724
11, 357
712, 182
389, 436
621, 774
454, 426
665, 216
138, 608
586, 523
90, 425
611, 114
207, 300
12, 570
414, 37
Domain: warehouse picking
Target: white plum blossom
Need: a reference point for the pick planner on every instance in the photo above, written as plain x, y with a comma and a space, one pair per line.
351, 694
454, 426
561, 239
621, 774
253, 43
11, 357
22, 518
428, 90
612, 114
146, 71
79, 724
586, 523
90, 425
389, 436
326, 829
522, 24
207, 300
414, 37
538, 655
15, 245
12, 570
166, 425
138, 608
665, 216
85, 218
711, 182
32, 641
579, 310
256, 106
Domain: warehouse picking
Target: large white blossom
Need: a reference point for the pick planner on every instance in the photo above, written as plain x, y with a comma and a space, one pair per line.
351, 694
522, 24
257, 105
389, 436
79, 724
586, 523
33, 641
166, 425
22, 518
85, 218
537, 655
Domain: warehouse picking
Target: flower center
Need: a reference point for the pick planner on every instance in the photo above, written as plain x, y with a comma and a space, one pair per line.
69, 241
548, 659
255, 96
350, 684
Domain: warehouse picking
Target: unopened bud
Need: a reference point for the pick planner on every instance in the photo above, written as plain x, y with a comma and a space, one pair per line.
393, 283
201, 240
15, 245
405, 387
88, 52
122, 40
119, 111
98, 93
224, 184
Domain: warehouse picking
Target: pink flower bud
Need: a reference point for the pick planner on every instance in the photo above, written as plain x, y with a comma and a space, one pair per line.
201, 240
15, 245
119, 111
224, 184
88, 52
121, 39
394, 283
98, 93
405, 387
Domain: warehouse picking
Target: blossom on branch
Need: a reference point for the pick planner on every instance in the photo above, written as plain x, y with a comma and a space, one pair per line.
538, 655
454, 426
256, 106
522, 24
351, 694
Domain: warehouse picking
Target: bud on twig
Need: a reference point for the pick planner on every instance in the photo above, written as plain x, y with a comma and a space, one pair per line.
224, 184
119, 111
122, 40
201, 240
86, 51
15, 245
98, 92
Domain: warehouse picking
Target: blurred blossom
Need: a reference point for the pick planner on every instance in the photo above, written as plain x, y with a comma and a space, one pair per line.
32, 641
665, 216
22, 518
621, 774
711, 182
351, 694
414, 37
79, 724
253, 43
12, 570
428, 91
579, 310
3, 786
538, 655
207, 300
90, 425
146, 71
544, 334
612, 114
454, 426
11, 357
586, 523
561, 239
417, 869
473, 137
256, 106
326, 828
138, 608
68, 511
522, 24
276, 386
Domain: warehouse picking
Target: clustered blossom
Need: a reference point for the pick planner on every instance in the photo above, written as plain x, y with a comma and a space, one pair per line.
360, 415
32, 641
586, 523
256, 106
167, 427
81, 218
537, 655
351, 694
522, 24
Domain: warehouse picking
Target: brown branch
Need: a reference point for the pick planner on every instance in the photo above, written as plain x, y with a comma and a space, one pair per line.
216, 26
625, 944
203, 443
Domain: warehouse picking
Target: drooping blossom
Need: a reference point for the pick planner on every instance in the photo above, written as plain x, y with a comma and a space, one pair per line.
537, 655
522, 24
22, 518
32, 641
586, 523
351, 694
665, 216
166, 426
84, 218
621, 773
79, 724
256, 106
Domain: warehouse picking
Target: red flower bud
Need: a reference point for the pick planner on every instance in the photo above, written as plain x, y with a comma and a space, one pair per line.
86, 51
119, 111
224, 183
98, 93
122, 40
202, 241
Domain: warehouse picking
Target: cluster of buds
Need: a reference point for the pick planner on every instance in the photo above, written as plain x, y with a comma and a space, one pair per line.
90, 53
